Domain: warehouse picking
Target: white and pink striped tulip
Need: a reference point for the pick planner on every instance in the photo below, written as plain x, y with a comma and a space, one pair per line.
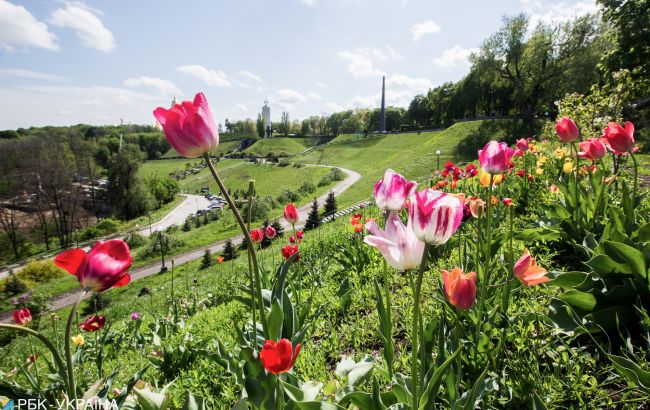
392, 191
397, 243
435, 215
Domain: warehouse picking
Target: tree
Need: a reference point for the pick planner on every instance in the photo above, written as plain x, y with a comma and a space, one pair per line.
330, 204
259, 124
313, 219
285, 123
127, 195
207, 261
229, 251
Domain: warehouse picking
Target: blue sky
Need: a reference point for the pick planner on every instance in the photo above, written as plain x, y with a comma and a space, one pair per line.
95, 62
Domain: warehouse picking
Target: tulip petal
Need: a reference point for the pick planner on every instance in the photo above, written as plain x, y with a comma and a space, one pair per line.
123, 281
70, 260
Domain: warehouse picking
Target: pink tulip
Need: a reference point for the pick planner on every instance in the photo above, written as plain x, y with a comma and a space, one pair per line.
291, 214
436, 215
620, 139
397, 243
527, 271
104, 267
495, 157
257, 235
567, 130
270, 232
189, 127
522, 144
392, 190
593, 148
22, 316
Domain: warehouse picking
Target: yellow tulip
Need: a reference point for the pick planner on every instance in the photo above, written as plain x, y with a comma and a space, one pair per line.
484, 179
78, 340
568, 167
539, 171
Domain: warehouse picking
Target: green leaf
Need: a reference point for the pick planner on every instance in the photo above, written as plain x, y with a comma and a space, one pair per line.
567, 280
276, 318
631, 371
469, 399
305, 400
623, 253
537, 403
356, 372
193, 403
579, 300
432, 386
603, 265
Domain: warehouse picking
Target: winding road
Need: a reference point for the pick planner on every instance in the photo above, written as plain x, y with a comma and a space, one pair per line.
174, 217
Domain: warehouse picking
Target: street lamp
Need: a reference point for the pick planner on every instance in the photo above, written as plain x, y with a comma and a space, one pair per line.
438, 160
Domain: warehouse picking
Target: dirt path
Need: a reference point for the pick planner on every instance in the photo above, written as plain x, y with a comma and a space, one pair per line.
69, 298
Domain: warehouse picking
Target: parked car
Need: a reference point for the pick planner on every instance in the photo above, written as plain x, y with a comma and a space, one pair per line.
216, 206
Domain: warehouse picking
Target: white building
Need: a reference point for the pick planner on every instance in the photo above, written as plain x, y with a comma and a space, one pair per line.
266, 117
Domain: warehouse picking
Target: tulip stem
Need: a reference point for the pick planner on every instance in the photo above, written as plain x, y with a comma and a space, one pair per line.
636, 177
47, 343
249, 241
31, 348
250, 268
389, 339
488, 253
415, 325
68, 350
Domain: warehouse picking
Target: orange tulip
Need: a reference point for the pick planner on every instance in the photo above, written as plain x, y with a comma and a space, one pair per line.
220, 259
484, 179
476, 206
358, 228
527, 271
460, 288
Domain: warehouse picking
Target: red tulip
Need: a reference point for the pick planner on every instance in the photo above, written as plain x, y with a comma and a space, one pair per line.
93, 323
495, 157
300, 235
104, 267
289, 250
593, 148
279, 357
257, 235
291, 214
527, 271
292, 239
358, 228
392, 190
22, 316
507, 201
270, 232
620, 139
460, 288
189, 127
567, 130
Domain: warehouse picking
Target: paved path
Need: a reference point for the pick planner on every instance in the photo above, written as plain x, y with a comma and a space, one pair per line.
216, 248
176, 216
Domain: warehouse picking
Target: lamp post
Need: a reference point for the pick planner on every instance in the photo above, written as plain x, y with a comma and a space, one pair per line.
437, 160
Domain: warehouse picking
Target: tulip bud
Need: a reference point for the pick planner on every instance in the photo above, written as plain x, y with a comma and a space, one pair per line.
620, 139
567, 130
278, 357
291, 214
460, 288
495, 157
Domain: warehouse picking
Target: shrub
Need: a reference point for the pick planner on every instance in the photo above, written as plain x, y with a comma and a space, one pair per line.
207, 261
13, 286
135, 240
284, 163
298, 164
307, 188
40, 272
187, 225
96, 303
287, 196
229, 251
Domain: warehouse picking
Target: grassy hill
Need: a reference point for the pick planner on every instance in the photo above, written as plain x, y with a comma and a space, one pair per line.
282, 146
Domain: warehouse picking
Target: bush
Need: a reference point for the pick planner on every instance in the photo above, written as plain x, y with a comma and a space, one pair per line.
102, 228
307, 188
207, 261
187, 226
259, 211
229, 251
284, 163
287, 196
13, 286
135, 240
298, 165
40, 272
96, 303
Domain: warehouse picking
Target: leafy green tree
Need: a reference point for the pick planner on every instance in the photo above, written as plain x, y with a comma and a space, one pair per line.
127, 196
285, 123
259, 125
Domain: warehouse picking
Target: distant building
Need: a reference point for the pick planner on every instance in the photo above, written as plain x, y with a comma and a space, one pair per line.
266, 117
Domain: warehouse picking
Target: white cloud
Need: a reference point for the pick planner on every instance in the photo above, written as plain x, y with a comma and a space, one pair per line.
25, 106
333, 107
215, 78
360, 63
19, 28
89, 28
418, 84
547, 13
423, 28
164, 87
34, 75
394, 54
455, 57
314, 96
309, 3
249, 75
321, 85
287, 99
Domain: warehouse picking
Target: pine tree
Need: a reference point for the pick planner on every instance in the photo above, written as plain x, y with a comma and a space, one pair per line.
186, 225
313, 219
206, 262
330, 204
229, 251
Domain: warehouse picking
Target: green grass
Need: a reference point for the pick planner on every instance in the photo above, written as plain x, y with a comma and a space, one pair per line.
282, 146
412, 154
